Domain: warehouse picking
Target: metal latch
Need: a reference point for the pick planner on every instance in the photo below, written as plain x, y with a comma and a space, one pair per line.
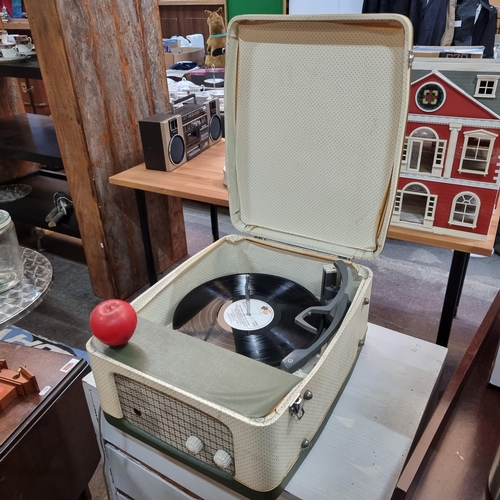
411, 56
296, 409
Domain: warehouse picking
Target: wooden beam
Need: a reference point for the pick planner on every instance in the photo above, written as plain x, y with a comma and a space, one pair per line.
103, 68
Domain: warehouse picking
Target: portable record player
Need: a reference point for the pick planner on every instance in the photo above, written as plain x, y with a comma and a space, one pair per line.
313, 186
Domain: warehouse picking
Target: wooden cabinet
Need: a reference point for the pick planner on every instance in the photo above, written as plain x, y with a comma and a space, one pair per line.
185, 17
29, 154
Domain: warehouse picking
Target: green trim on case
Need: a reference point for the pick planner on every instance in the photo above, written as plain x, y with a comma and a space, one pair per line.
213, 472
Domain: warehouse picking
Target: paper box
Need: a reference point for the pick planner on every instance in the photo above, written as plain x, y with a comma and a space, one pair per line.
177, 54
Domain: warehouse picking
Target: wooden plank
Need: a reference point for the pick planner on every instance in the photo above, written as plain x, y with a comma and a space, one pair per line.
15, 25
103, 68
414, 469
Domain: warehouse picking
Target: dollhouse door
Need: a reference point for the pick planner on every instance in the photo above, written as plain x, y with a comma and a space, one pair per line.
414, 205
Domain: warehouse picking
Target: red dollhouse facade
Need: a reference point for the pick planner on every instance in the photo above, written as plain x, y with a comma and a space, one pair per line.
449, 179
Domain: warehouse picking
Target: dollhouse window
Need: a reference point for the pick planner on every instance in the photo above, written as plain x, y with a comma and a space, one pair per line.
486, 86
476, 152
465, 210
430, 97
423, 152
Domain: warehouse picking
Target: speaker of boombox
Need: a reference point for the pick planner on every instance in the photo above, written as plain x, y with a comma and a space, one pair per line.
169, 139
214, 120
163, 141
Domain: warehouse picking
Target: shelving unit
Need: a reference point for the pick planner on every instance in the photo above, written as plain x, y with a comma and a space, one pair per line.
31, 137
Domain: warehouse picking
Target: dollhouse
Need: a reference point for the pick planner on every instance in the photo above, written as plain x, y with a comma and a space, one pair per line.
449, 180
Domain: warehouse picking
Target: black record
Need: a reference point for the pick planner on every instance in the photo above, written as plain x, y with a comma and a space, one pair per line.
216, 312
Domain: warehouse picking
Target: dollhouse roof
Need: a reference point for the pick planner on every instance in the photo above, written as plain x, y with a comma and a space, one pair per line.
466, 81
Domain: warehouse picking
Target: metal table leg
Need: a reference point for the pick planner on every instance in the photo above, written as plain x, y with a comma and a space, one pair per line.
452, 296
215, 221
146, 236
459, 295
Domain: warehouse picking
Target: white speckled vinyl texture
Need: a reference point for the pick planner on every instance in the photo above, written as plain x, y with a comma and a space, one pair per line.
315, 113
264, 449
317, 173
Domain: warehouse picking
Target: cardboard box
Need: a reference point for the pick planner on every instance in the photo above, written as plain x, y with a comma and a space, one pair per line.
455, 52
177, 54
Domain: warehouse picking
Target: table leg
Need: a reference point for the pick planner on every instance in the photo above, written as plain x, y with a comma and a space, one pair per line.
462, 279
85, 495
452, 295
140, 197
215, 221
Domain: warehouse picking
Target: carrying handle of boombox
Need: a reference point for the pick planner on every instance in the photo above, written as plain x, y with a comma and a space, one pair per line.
185, 98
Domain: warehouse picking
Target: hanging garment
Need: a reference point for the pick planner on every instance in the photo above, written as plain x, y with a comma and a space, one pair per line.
427, 16
429, 21
470, 30
447, 38
393, 6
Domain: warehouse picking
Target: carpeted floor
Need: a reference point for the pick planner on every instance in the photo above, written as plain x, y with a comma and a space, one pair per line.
408, 291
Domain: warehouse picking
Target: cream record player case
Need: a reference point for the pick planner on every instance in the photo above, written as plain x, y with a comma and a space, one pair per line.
315, 113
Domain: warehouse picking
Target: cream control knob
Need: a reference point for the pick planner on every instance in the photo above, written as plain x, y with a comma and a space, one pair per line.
194, 444
222, 459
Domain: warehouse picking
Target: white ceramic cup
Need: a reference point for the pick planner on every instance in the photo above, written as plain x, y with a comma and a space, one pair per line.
24, 43
24, 48
8, 50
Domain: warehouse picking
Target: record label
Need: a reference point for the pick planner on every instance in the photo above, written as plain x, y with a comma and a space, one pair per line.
261, 314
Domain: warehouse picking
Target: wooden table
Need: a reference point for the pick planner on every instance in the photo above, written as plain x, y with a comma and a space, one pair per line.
201, 180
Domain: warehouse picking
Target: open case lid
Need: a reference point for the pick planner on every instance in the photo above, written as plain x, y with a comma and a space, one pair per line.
315, 116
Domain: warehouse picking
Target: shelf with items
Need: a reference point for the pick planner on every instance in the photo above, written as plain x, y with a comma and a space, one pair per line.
39, 202
30, 137
25, 68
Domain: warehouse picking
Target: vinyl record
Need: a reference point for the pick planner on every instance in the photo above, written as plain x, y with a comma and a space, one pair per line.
216, 312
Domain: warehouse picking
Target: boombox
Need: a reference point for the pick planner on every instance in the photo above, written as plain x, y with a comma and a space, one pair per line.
241, 352
171, 139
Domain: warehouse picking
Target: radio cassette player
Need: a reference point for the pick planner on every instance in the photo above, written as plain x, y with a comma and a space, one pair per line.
171, 139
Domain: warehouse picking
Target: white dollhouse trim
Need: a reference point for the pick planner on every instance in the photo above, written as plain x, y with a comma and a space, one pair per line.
486, 86
454, 211
452, 146
454, 181
445, 120
440, 76
480, 135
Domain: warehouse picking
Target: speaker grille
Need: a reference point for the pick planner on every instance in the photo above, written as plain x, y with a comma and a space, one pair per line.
215, 128
176, 149
172, 421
